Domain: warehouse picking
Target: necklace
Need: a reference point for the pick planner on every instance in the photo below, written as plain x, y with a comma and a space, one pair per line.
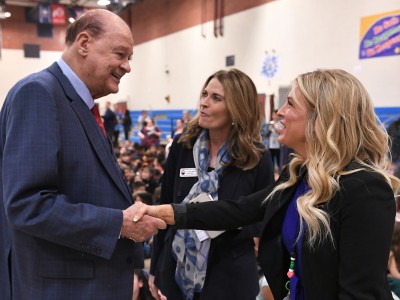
290, 272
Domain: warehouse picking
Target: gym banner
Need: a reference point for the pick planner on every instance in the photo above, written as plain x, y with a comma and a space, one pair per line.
380, 35
57, 14
44, 13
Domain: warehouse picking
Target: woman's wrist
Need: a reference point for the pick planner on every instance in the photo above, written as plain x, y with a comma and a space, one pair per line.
164, 212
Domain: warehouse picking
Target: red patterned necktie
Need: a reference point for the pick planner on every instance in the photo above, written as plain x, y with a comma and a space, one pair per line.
96, 113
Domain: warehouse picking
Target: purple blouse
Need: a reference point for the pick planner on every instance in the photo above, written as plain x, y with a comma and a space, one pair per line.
290, 230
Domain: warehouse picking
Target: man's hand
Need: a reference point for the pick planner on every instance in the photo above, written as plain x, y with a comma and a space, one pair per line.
142, 229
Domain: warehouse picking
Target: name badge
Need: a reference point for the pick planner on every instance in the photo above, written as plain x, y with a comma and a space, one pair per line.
188, 172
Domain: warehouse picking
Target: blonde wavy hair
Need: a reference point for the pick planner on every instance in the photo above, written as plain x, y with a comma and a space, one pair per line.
244, 143
342, 127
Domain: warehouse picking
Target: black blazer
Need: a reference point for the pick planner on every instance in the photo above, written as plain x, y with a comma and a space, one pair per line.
361, 219
232, 265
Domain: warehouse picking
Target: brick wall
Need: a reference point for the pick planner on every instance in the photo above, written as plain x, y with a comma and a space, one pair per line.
17, 32
149, 19
152, 19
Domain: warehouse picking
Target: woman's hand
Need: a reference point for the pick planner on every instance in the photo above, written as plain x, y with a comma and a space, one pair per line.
164, 212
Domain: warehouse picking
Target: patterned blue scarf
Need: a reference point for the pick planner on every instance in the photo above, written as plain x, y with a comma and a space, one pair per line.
191, 254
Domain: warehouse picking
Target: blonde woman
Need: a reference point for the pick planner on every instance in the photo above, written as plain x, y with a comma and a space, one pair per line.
328, 220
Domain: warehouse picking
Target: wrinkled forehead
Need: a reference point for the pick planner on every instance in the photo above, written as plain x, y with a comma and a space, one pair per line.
117, 41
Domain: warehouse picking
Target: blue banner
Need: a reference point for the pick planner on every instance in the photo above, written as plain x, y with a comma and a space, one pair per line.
380, 37
44, 13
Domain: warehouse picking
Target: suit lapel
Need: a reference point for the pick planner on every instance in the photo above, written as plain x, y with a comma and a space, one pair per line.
100, 144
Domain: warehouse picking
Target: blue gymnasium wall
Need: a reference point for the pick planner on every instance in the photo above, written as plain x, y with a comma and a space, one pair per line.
164, 119
387, 115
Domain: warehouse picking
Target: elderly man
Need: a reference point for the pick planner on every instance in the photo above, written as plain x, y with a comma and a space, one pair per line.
67, 219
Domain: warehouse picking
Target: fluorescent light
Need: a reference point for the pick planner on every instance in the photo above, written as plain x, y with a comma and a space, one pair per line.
4, 14
103, 2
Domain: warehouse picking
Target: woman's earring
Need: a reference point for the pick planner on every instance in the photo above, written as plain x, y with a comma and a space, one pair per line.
233, 123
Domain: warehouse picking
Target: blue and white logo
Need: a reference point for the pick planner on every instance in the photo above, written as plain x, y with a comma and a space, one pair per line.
270, 65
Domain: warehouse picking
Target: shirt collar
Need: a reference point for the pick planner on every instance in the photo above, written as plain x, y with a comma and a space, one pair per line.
77, 83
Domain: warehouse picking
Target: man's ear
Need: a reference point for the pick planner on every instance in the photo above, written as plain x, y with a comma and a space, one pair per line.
82, 42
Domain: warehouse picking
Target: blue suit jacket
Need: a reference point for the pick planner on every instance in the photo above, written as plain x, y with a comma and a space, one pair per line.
63, 193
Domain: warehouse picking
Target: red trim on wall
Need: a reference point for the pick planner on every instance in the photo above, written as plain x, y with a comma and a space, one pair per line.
148, 19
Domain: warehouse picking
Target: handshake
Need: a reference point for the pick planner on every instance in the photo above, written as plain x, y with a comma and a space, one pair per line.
141, 221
